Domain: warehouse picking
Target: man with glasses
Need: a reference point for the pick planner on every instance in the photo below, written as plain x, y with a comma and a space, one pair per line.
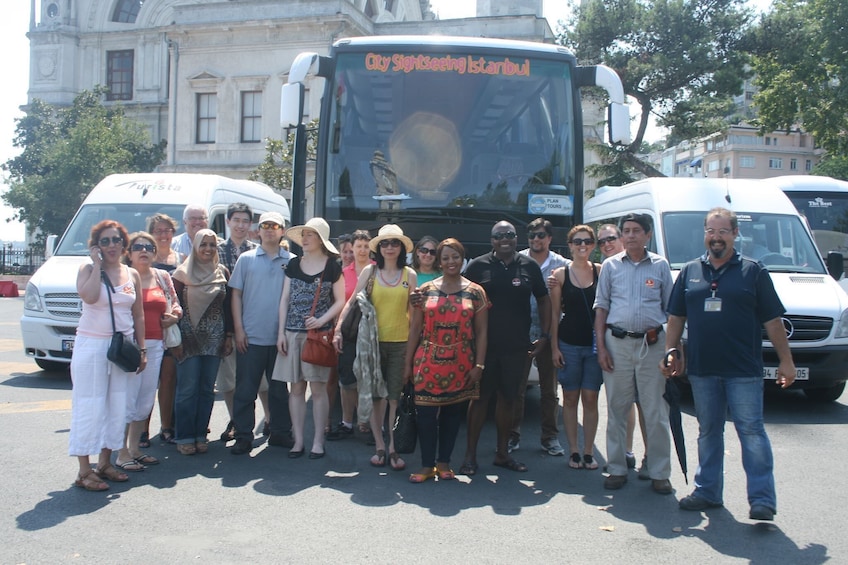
257, 284
195, 219
727, 300
509, 279
539, 236
630, 308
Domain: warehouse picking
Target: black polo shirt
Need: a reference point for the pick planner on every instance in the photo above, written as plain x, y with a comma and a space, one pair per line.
728, 343
509, 288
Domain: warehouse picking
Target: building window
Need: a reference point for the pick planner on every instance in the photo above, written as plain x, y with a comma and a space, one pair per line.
713, 165
119, 74
126, 11
207, 114
808, 166
775, 163
747, 162
251, 117
793, 164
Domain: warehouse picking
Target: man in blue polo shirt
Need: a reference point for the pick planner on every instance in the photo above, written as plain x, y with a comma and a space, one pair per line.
727, 299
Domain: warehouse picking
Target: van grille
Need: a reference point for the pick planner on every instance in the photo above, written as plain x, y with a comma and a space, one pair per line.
807, 328
807, 280
63, 305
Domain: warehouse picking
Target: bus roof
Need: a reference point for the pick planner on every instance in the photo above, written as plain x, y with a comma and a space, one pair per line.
452, 41
808, 183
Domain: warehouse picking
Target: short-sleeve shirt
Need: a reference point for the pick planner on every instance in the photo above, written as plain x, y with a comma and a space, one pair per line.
727, 343
259, 276
509, 288
635, 295
302, 288
229, 252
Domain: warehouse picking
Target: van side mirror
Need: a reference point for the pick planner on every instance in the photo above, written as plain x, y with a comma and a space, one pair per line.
50, 245
835, 264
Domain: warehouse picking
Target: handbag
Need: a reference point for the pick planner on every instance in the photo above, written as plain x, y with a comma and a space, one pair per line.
318, 348
350, 324
406, 425
122, 352
171, 336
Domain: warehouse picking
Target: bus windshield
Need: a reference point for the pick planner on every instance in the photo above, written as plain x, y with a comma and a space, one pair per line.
827, 215
780, 242
413, 136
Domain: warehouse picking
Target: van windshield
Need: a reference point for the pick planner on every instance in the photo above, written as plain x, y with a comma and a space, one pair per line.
131, 216
780, 242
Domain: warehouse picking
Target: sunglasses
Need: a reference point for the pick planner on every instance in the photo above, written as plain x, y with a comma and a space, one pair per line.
270, 226
114, 240
143, 247
609, 239
425, 251
503, 235
582, 241
390, 243
537, 235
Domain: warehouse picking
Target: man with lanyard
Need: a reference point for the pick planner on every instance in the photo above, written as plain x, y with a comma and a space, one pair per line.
239, 220
633, 290
540, 235
257, 284
727, 299
509, 279
195, 219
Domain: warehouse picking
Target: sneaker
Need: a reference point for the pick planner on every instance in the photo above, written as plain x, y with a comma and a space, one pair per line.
615, 482
631, 460
760, 512
696, 503
241, 447
281, 440
644, 472
662, 486
553, 447
513, 445
341, 432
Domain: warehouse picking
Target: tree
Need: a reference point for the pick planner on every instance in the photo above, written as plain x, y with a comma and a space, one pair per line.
66, 151
276, 168
802, 71
682, 60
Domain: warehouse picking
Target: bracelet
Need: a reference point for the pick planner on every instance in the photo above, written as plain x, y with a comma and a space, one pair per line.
480, 366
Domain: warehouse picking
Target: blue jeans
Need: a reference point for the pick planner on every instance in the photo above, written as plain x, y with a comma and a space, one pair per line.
195, 396
251, 367
743, 397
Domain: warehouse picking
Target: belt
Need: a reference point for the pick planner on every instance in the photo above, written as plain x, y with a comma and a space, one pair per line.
621, 333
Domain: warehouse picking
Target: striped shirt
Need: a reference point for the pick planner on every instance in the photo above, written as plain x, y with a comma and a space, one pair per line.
635, 295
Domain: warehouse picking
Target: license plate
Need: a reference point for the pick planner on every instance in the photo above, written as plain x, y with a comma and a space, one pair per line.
67, 345
801, 373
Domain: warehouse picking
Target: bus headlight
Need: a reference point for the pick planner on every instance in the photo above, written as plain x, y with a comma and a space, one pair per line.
842, 325
32, 300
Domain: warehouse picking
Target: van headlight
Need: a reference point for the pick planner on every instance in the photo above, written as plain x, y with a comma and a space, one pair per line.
842, 325
32, 300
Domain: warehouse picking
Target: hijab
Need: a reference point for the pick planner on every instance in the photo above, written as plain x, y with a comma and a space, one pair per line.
202, 280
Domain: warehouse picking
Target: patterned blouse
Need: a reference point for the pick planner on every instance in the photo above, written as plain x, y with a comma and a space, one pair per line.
302, 294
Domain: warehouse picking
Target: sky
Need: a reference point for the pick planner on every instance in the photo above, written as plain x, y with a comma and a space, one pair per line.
15, 70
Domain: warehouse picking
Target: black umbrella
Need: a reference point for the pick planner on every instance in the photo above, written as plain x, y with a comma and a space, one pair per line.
675, 421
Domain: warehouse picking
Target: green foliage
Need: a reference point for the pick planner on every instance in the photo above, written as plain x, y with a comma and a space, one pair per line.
682, 60
66, 151
802, 71
276, 168
833, 166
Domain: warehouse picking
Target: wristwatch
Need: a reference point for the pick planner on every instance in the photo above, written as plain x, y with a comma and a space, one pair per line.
480, 366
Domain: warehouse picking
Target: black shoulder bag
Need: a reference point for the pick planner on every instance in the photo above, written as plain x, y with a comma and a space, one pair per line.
122, 352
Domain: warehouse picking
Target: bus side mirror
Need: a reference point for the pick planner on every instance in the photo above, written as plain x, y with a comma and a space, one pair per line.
291, 104
835, 265
619, 124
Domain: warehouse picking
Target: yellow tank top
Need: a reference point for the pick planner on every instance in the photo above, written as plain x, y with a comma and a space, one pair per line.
391, 304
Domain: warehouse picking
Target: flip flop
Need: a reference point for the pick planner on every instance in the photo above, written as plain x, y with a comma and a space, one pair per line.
575, 462
379, 458
132, 466
146, 459
469, 469
396, 462
512, 465
144, 440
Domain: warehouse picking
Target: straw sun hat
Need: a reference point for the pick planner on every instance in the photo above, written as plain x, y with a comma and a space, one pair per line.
391, 231
319, 226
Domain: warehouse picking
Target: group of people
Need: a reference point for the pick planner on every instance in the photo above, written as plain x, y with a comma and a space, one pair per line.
458, 334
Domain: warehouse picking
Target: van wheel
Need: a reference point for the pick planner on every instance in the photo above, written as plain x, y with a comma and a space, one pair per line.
53, 366
829, 394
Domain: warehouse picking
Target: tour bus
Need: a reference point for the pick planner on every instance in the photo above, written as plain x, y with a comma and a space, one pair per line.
52, 306
823, 202
771, 231
446, 135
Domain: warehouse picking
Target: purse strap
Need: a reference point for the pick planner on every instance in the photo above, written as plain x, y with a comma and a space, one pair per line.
165, 290
109, 291
317, 293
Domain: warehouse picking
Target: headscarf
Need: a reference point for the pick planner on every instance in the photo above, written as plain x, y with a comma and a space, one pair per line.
201, 279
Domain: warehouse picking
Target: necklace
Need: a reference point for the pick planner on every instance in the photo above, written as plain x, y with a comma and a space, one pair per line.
387, 283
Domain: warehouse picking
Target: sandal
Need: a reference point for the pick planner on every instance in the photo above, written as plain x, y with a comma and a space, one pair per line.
468, 469
396, 462
512, 465
111, 474
201, 447
132, 465
90, 481
422, 477
186, 448
589, 462
146, 460
445, 474
575, 462
144, 440
230, 433
166, 435
379, 458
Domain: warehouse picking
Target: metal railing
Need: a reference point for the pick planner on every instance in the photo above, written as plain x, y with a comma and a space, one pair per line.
20, 261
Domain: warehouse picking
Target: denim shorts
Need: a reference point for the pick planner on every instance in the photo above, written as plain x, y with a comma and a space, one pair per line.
581, 370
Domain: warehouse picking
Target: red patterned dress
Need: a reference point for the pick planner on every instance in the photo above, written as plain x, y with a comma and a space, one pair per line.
445, 353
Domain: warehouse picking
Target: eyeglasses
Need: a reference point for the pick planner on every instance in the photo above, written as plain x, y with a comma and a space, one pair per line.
390, 243
270, 226
722, 231
143, 247
426, 251
503, 235
114, 240
164, 231
197, 218
608, 239
582, 241
537, 235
